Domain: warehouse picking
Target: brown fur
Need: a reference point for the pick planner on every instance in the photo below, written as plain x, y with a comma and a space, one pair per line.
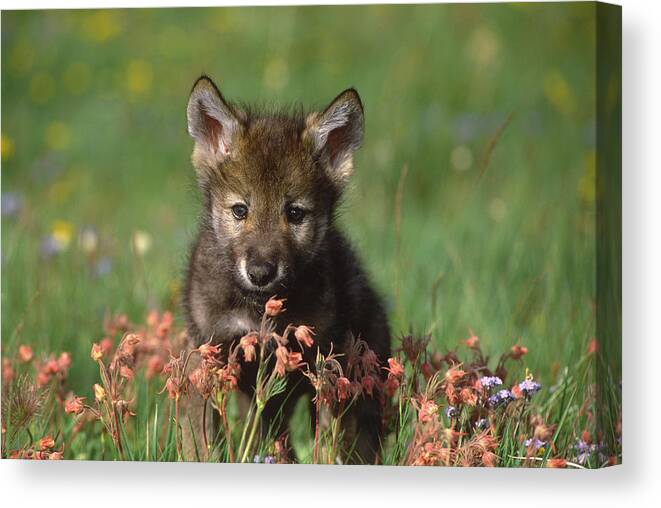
271, 163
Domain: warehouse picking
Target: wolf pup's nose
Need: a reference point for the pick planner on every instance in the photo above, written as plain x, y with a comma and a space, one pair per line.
262, 274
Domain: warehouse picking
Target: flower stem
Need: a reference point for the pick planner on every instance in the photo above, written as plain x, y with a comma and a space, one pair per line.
204, 426
315, 453
253, 430
228, 434
176, 427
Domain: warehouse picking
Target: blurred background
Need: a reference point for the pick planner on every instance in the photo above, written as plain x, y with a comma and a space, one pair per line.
492, 230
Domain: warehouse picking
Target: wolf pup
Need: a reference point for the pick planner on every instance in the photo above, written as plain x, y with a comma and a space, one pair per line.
270, 185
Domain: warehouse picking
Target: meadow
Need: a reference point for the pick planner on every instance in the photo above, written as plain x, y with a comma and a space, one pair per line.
472, 204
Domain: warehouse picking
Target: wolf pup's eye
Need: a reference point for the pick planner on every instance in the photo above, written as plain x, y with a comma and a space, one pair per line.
240, 212
295, 214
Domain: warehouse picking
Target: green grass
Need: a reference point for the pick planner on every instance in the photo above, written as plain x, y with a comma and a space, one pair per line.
94, 133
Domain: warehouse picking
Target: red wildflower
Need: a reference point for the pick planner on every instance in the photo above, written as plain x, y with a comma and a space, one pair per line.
247, 344
593, 346
473, 341
46, 443
468, 396
152, 318
585, 437
25, 353
64, 362
454, 374
52, 367
75, 405
106, 346
518, 351
281, 355
229, 376
7, 371
165, 324
208, 351
294, 361
343, 388
172, 388
43, 378
489, 459
201, 379
273, 307
556, 463
154, 366
368, 384
126, 372
428, 410
369, 361
304, 335
395, 368
55, 456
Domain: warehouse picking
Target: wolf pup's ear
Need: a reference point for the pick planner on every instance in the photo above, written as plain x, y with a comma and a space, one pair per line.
212, 123
336, 134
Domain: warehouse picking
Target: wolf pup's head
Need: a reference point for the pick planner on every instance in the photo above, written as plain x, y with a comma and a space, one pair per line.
271, 181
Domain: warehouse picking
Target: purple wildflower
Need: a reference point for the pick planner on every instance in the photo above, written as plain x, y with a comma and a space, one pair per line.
481, 424
534, 443
451, 412
12, 203
102, 267
529, 387
587, 451
269, 459
489, 382
503, 397
49, 247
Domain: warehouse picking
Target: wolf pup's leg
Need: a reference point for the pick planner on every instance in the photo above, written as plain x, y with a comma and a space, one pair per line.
364, 431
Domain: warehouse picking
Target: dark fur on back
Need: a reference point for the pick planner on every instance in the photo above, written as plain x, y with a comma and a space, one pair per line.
268, 162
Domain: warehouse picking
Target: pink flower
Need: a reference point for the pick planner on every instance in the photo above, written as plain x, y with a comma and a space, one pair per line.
368, 385
395, 368
273, 307
25, 353
343, 388
46, 443
172, 388
154, 366
64, 362
201, 379
7, 371
126, 372
247, 344
75, 405
428, 409
304, 335
473, 341
106, 346
454, 374
556, 463
208, 351
52, 367
518, 351
97, 352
